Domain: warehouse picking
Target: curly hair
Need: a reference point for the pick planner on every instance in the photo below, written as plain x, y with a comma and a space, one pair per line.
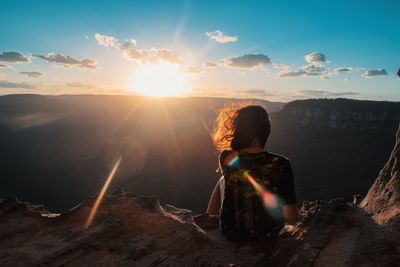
239, 125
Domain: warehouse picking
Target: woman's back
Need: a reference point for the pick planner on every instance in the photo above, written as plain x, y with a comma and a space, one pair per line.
258, 193
256, 186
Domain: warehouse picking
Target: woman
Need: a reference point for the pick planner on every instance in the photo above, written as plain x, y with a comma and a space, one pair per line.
255, 195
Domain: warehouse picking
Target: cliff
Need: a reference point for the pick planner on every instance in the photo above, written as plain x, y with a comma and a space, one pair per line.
383, 199
342, 113
133, 230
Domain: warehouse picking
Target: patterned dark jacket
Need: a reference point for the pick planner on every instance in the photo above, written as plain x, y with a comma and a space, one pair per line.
256, 186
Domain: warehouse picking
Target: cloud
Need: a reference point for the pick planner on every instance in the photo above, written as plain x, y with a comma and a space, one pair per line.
190, 69
314, 70
320, 93
256, 92
69, 62
219, 37
33, 74
80, 85
248, 61
169, 56
295, 73
209, 64
130, 51
280, 66
307, 70
14, 57
344, 70
105, 40
378, 72
23, 85
315, 58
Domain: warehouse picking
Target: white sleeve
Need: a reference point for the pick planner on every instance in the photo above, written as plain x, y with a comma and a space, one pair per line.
221, 183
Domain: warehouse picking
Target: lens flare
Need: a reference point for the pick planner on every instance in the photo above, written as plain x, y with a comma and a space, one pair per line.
234, 162
270, 200
96, 205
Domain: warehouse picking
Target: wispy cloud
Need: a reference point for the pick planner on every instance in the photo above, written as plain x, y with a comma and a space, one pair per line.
248, 61
307, 70
169, 56
80, 85
220, 37
344, 70
280, 66
377, 72
190, 69
321, 93
291, 73
69, 62
23, 85
33, 74
209, 64
257, 92
14, 57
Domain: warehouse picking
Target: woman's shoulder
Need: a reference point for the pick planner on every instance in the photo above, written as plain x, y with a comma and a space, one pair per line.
279, 159
227, 156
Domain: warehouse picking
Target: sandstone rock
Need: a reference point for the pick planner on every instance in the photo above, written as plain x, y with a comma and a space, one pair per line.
383, 199
136, 230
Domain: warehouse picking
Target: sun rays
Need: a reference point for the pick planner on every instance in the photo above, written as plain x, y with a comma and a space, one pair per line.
100, 197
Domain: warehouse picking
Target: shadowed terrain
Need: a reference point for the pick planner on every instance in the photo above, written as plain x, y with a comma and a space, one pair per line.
56, 150
129, 229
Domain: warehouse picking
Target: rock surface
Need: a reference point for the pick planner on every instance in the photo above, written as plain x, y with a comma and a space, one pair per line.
383, 199
137, 231
132, 230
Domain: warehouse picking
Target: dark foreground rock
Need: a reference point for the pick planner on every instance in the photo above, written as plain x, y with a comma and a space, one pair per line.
135, 230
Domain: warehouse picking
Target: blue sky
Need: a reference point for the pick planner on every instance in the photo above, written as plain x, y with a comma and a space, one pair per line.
259, 50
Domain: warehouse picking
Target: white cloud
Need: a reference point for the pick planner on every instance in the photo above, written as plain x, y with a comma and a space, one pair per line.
248, 61
315, 58
106, 40
377, 72
69, 62
220, 37
33, 74
14, 57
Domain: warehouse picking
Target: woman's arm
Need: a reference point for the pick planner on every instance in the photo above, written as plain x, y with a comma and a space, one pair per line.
289, 213
215, 200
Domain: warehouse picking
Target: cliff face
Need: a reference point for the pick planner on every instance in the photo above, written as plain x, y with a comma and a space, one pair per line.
342, 113
383, 199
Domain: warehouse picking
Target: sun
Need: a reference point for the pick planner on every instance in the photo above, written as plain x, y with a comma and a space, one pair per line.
159, 80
